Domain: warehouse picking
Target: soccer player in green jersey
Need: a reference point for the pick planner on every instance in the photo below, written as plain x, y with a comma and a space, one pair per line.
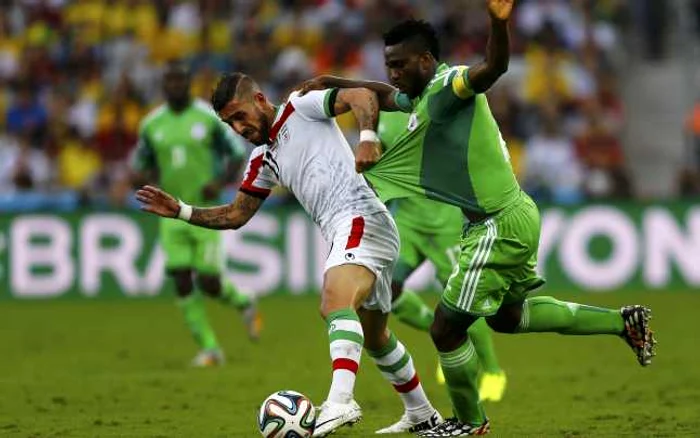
430, 230
452, 152
193, 154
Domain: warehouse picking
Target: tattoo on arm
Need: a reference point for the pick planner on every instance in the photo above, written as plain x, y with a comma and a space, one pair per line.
364, 105
224, 217
217, 218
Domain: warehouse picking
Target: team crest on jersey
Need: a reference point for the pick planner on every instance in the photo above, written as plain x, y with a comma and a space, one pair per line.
198, 131
283, 136
412, 122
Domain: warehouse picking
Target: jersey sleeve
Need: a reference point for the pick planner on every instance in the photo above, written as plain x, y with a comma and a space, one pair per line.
143, 157
315, 105
403, 102
259, 178
460, 83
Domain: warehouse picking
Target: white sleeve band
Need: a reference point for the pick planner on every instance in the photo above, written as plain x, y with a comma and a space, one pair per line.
369, 135
185, 212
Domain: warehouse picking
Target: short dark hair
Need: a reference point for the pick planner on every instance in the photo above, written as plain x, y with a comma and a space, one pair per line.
225, 90
415, 31
177, 66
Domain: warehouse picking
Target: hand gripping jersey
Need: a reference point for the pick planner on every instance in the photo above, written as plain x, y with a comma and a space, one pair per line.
450, 149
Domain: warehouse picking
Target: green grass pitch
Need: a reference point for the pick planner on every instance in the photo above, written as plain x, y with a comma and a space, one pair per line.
119, 369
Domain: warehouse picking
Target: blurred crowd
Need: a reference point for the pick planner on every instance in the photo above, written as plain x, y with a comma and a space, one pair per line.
78, 76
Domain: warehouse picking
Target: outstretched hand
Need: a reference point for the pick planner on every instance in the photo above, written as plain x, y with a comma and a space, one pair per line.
156, 201
500, 9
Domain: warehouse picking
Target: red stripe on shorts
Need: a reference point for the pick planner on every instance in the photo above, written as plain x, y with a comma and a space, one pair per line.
356, 232
346, 364
408, 386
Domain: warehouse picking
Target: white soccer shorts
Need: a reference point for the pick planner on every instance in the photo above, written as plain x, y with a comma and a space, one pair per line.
371, 241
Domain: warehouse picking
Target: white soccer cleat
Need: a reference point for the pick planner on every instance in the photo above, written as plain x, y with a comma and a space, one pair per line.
208, 358
409, 424
336, 415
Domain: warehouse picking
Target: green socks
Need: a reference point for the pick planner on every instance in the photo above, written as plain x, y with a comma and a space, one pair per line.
546, 314
231, 296
196, 318
461, 368
412, 311
480, 334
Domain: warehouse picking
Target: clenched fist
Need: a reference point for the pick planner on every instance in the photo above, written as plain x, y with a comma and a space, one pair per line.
367, 155
500, 9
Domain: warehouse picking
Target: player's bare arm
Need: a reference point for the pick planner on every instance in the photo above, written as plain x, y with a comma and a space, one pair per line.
482, 76
223, 217
364, 105
386, 94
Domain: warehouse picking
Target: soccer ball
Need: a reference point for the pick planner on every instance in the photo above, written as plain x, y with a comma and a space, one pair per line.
287, 414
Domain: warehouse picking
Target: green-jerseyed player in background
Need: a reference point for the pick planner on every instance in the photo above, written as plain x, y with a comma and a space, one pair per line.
452, 151
193, 155
430, 230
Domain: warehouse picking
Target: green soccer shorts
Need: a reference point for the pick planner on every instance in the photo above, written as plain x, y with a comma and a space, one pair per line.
189, 247
497, 261
442, 249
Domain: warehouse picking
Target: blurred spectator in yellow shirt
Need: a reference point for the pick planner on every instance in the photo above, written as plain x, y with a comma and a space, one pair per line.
547, 68
78, 163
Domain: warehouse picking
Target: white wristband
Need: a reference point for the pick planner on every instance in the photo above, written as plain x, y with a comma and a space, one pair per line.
185, 212
369, 135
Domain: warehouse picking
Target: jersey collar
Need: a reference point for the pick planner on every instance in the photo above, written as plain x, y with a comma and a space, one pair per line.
440, 69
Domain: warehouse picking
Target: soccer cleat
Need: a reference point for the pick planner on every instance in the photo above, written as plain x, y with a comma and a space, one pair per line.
208, 358
492, 386
452, 427
253, 321
440, 375
336, 415
638, 334
407, 424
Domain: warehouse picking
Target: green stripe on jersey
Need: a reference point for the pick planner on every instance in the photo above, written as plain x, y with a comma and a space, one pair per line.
448, 149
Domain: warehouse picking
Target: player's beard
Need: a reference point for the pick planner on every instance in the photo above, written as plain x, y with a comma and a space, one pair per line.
263, 129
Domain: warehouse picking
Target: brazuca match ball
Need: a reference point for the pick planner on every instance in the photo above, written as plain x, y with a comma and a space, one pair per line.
287, 414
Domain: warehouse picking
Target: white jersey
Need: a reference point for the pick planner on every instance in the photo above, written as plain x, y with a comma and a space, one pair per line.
309, 156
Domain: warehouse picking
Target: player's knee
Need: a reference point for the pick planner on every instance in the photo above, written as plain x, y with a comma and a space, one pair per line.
209, 284
447, 334
334, 298
183, 282
506, 320
328, 305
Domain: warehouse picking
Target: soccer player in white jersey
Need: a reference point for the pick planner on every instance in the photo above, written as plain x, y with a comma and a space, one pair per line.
301, 148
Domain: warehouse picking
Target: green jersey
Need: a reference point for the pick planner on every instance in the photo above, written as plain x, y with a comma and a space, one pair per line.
188, 149
450, 149
417, 212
